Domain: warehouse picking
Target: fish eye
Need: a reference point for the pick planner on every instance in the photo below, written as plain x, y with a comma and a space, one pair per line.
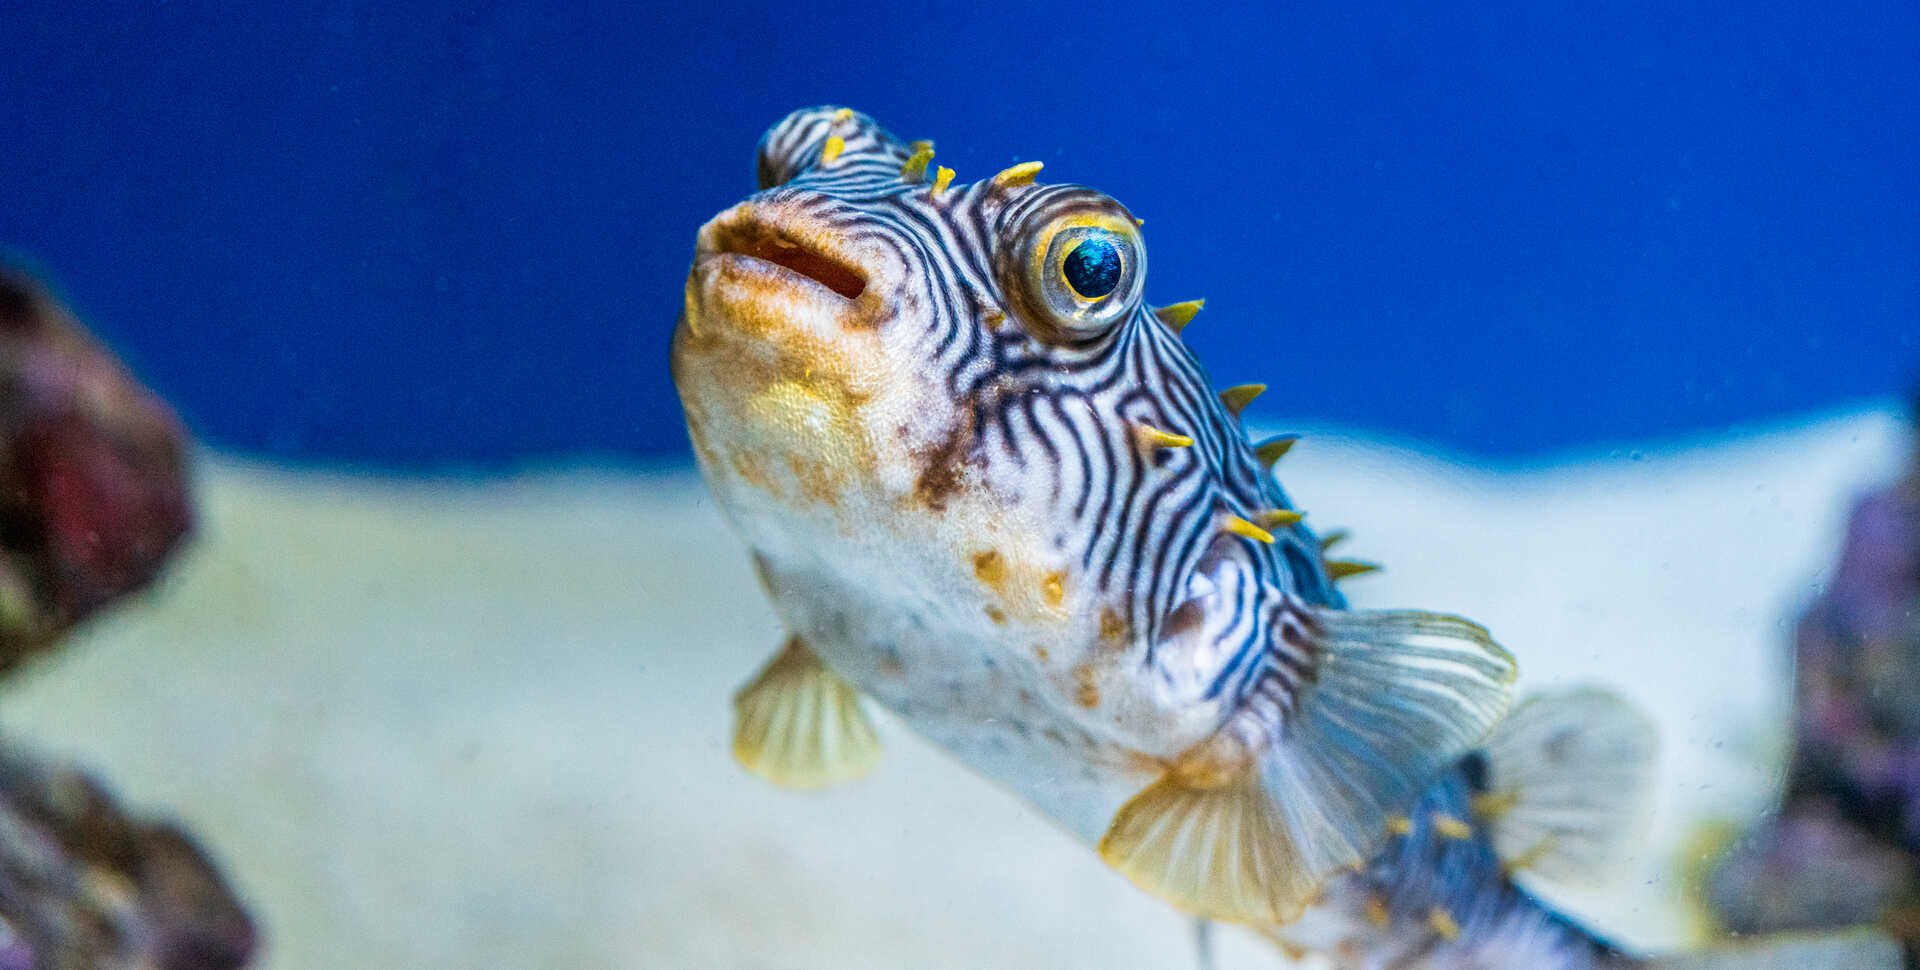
1077, 273
1092, 268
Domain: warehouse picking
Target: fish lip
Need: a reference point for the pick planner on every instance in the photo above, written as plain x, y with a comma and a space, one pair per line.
785, 252
712, 265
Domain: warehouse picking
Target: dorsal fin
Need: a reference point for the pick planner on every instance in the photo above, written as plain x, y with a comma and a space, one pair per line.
1567, 785
1350, 718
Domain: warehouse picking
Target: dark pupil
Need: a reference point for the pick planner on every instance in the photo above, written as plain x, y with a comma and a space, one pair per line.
1093, 268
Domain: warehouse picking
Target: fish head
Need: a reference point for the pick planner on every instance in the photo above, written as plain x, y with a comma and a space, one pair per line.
953, 401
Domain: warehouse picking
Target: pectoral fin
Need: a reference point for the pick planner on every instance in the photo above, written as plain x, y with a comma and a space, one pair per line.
1352, 717
1218, 852
799, 725
1568, 784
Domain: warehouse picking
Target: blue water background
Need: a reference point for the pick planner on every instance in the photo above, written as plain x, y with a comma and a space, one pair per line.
420, 233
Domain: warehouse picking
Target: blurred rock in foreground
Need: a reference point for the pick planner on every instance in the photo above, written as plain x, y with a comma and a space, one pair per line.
1845, 847
93, 500
84, 887
93, 482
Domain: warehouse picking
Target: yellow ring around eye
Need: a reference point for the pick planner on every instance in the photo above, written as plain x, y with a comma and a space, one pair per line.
1060, 269
1043, 246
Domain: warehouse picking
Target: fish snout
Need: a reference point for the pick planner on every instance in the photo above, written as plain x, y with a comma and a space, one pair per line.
789, 264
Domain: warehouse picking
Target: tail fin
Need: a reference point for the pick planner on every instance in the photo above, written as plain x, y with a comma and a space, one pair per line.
1862, 949
1567, 786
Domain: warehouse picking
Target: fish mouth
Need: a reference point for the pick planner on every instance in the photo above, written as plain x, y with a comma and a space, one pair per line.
780, 253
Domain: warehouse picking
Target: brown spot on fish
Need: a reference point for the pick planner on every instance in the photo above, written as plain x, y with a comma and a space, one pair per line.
1040, 653
751, 470
1086, 692
943, 468
817, 482
1113, 627
996, 614
990, 567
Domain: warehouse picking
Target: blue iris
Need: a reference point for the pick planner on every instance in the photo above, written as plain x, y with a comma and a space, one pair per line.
1093, 268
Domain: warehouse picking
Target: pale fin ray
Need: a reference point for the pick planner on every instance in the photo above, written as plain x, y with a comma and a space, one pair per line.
1569, 784
1248, 826
799, 725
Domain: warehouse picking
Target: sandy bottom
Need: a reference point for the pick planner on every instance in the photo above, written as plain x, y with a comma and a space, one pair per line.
467, 725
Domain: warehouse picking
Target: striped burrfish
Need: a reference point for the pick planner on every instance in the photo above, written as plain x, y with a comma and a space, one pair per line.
987, 486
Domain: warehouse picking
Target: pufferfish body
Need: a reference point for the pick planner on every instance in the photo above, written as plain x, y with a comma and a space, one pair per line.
986, 486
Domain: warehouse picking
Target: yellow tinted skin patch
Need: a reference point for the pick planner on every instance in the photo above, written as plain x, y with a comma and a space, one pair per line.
1053, 589
822, 414
1086, 691
818, 481
792, 426
990, 568
751, 470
